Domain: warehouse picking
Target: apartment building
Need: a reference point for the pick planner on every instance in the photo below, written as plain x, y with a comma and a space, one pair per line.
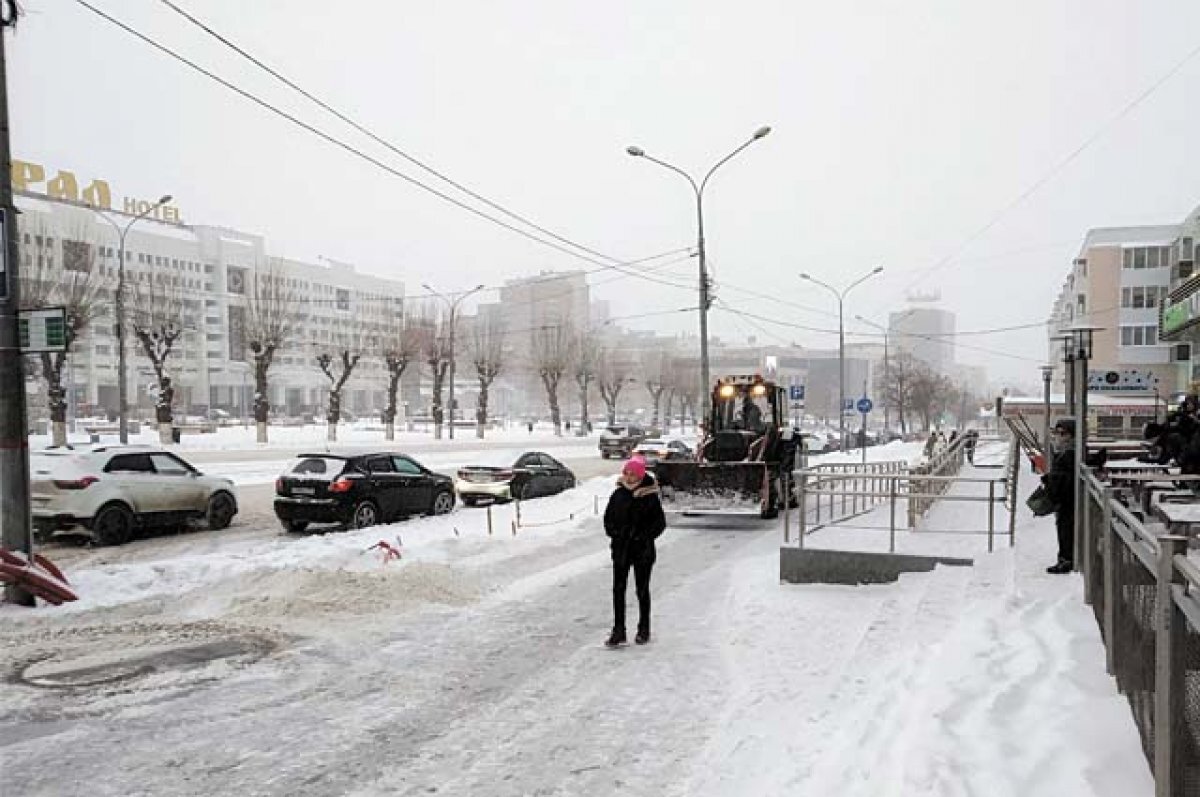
1118, 282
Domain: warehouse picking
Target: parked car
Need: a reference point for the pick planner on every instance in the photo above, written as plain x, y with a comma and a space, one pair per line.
659, 450
533, 474
112, 491
620, 440
358, 490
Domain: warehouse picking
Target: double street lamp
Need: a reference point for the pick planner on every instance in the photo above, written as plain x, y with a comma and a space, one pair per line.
122, 399
841, 299
705, 301
453, 305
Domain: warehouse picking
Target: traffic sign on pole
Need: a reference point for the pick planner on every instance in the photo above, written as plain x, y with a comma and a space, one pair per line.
865, 405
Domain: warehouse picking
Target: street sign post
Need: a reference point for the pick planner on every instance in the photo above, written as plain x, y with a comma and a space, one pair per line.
796, 396
864, 406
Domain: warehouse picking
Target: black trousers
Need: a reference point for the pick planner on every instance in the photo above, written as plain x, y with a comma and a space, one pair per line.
642, 562
1064, 522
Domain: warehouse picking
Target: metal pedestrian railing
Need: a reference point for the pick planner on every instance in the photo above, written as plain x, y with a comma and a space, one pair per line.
830, 494
1145, 593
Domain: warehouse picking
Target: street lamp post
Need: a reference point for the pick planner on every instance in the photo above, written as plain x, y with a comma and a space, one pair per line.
841, 300
122, 411
1047, 376
453, 305
705, 301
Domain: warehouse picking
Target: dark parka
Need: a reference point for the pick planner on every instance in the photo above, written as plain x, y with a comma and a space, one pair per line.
1060, 482
634, 519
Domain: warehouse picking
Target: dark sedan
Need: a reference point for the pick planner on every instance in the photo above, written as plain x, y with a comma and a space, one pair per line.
359, 490
533, 474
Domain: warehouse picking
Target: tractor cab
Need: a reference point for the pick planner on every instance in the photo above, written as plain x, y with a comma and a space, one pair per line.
745, 411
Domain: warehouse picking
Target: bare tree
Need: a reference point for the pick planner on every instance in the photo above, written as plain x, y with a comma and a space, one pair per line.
585, 362
157, 321
400, 338
487, 355
613, 373
269, 324
74, 284
898, 381
656, 376
435, 352
687, 388
337, 361
929, 392
552, 359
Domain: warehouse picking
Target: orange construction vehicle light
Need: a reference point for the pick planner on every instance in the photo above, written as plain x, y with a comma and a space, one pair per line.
727, 391
758, 390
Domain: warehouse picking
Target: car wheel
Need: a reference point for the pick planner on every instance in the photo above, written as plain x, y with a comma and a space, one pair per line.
571, 483
443, 503
604, 455
220, 511
365, 514
113, 525
522, 492
294, 526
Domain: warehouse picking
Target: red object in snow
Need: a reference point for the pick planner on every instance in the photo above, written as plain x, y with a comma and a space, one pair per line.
41, 577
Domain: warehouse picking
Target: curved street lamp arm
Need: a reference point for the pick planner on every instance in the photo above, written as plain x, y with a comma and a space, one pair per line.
825, 285
861, 279
675, 169
721, 163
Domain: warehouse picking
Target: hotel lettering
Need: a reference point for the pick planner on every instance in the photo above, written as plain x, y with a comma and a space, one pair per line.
31, 178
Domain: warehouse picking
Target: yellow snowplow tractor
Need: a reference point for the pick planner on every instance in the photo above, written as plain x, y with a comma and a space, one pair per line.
742, 458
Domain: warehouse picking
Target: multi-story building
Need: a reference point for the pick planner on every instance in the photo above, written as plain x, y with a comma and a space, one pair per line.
1180, 317
208, 271
1118, 282
925, 332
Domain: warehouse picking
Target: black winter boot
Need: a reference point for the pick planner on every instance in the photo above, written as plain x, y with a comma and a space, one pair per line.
616, 638
642, 637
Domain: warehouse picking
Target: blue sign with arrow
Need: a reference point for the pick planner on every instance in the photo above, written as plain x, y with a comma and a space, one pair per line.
796, 393
865, 405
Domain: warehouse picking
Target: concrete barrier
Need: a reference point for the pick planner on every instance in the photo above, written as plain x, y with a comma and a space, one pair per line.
817, 566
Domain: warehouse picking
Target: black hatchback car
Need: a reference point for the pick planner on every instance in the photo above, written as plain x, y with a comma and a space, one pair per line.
359, 490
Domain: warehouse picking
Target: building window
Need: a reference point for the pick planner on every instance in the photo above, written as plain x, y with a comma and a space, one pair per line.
1140, 335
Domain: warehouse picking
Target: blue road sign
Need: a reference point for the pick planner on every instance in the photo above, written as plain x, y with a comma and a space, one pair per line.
864, 405
796, 393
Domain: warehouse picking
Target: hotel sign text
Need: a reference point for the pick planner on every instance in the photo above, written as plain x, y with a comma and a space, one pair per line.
31, 177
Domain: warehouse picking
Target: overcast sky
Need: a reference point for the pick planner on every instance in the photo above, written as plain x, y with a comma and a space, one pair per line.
900, 130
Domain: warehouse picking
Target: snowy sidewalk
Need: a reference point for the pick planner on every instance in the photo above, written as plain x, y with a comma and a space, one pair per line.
985, 680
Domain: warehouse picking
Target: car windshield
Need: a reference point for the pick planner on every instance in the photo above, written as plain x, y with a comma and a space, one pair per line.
327, 468
615, 431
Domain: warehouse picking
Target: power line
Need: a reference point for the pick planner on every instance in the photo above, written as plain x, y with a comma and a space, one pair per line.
941, 340
1057, 168
375, 137
337, 142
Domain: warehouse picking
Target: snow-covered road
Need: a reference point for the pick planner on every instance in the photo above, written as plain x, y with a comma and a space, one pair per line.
475, 666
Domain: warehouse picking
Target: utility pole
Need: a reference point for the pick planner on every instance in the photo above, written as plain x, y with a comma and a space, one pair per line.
15, 528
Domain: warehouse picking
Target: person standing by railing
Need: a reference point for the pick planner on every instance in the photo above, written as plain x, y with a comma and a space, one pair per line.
1060, 486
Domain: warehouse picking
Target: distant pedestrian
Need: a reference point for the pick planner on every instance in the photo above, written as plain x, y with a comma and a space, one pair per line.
969, 443
1060, 486
530, 424
568, 426
930, 445
633, 520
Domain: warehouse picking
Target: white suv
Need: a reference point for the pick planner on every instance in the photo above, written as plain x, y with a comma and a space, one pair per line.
113, 490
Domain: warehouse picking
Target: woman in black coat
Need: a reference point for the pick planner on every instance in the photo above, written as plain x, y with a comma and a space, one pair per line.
633, 520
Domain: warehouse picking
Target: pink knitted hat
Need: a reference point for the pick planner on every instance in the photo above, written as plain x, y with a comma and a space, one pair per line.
636, 466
